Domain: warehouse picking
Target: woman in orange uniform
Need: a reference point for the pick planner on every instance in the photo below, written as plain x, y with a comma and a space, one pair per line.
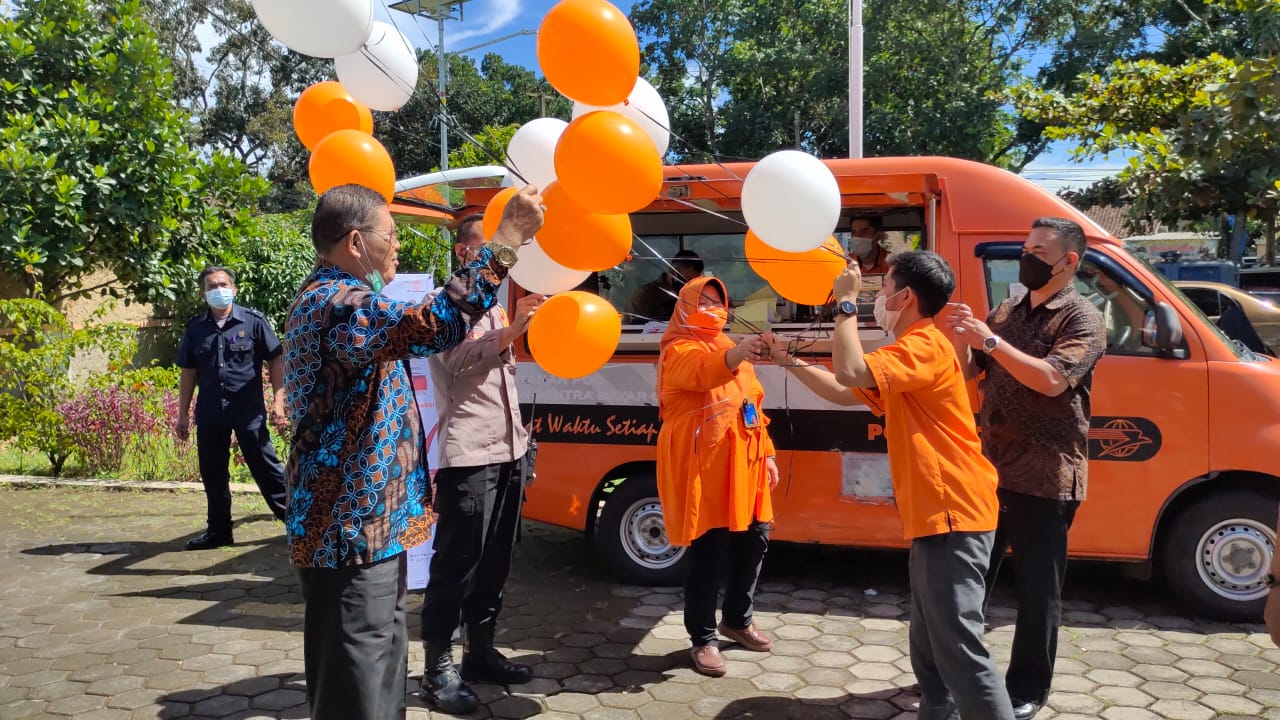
715, 468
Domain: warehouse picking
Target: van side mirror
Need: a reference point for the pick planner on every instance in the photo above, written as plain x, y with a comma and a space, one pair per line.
1163, 331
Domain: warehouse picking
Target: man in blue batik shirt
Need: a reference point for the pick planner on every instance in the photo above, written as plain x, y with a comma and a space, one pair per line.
358, 491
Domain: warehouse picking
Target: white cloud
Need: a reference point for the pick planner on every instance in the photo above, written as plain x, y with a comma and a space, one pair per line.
480, 18
488, 16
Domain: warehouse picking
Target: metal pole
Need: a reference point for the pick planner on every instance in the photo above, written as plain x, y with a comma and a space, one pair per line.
855, 78
444, 126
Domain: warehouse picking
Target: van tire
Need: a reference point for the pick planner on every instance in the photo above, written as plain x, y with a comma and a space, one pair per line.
632, 537
1217, 552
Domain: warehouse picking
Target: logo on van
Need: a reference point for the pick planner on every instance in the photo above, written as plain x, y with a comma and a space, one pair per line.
1126, 439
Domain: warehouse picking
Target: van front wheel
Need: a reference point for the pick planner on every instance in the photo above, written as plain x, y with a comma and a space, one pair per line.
633, 537
1217, 554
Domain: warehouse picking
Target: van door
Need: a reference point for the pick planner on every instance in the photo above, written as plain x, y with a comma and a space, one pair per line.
1150, 414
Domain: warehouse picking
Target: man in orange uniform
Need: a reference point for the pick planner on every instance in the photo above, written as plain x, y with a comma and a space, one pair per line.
944, 487
715, 468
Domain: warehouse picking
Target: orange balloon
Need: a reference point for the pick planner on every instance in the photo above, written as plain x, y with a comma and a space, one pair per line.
493, 211
352, 157
804, 277
580, 239
574, 334
607, 163
327, 107
589, 51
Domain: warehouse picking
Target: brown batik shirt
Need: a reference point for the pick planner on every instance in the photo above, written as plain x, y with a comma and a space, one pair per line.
1039, 444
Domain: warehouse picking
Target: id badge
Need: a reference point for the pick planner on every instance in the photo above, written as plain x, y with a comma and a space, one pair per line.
750, 416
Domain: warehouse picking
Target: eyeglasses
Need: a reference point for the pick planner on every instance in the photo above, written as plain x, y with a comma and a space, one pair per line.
394, 236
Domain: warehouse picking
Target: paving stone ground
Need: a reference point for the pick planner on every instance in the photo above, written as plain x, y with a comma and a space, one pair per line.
102, 615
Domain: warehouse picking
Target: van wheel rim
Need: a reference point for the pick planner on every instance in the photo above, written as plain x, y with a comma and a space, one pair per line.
1234, 557
644, 536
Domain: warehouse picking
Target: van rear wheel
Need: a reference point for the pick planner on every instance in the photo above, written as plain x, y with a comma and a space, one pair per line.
1217, 554
633, 537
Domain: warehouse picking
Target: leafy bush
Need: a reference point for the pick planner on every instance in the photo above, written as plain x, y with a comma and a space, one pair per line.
271, 263
37, 344
156, 454
101, 423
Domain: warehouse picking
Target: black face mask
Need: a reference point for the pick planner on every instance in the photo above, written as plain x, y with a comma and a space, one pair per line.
1033, 272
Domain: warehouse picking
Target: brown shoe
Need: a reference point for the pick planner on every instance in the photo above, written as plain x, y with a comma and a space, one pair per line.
749, 637
707, 660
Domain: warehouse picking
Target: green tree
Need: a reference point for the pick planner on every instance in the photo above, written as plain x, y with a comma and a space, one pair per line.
1204, 134
745, 77
95, 169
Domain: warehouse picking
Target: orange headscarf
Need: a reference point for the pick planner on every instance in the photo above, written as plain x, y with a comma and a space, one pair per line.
723, 403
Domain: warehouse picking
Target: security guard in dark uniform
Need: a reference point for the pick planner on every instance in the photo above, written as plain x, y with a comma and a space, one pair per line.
222, 352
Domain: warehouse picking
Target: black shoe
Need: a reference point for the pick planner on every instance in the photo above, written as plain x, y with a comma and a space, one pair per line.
492, 667
443, 687
482, 663
208, 540
1025, 709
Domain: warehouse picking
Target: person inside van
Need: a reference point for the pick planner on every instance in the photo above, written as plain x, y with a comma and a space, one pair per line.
866, 242
656, 299
716, 468
944, 487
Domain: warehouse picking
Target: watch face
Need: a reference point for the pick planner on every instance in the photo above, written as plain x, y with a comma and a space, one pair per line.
848, 308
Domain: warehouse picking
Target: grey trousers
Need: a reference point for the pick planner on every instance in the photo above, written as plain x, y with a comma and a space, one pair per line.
950, 661
355, 641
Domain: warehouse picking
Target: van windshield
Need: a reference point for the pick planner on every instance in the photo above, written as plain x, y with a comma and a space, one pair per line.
1236, 347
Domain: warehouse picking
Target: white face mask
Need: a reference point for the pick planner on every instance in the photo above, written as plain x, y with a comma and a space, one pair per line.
886, 318
862, 246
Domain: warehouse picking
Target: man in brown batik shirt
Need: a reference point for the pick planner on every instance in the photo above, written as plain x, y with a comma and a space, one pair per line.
1037, 352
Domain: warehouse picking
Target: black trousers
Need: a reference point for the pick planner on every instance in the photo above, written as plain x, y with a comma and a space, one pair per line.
213, 442
1036, 528
716, 556
355, 641
475, 535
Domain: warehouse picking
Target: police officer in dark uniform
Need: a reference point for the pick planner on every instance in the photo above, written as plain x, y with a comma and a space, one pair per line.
222, 352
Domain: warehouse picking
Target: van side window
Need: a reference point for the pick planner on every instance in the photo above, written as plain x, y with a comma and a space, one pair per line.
1124, 309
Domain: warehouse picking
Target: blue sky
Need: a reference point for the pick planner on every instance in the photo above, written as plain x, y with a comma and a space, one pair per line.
485, 20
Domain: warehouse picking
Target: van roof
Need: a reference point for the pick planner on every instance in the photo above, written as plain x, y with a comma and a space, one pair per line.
978, 198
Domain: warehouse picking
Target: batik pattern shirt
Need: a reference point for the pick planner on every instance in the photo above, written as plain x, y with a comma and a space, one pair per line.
358, 491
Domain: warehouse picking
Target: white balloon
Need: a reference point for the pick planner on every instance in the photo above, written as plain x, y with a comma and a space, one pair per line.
646, 107
322, 28
532, 152
537, 273
791, 201
383, 73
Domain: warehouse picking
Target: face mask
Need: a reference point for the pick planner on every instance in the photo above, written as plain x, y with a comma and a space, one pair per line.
219, 298
862, 246
708, 320
1035, 273
886, 318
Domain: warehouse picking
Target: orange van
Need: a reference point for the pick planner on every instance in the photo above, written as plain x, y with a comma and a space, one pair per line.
1185, 440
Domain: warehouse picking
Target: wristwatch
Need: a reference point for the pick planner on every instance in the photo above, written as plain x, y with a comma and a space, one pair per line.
504, 254
990, 344
846, 307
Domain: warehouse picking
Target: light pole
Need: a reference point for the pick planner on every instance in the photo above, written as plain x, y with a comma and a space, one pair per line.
438, 10
441, 10
855, 78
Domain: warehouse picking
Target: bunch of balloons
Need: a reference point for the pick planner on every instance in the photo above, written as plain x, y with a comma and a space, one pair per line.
592, 171
376, 67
